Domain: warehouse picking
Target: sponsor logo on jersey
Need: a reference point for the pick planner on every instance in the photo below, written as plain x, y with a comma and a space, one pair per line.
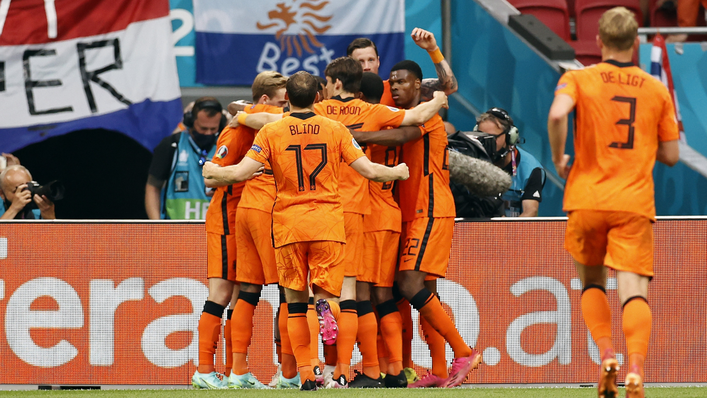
392, 108
256, 148
560, 86
222, 151
355, 144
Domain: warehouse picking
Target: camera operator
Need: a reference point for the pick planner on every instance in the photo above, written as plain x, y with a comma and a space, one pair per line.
17, 197
528, 176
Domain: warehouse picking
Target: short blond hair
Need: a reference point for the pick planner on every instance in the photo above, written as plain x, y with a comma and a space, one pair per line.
618, 28
267, 83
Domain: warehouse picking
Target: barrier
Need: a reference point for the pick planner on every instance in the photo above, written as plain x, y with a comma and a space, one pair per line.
118, 303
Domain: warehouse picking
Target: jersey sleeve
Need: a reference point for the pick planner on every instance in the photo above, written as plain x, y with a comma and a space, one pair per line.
387, 116
668, 126
567, 85
260, 150
350, 149
534, 186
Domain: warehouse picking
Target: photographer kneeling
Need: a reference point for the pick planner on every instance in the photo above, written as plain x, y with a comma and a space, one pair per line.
18, 197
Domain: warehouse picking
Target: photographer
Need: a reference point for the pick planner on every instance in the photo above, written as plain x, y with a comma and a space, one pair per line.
17, 197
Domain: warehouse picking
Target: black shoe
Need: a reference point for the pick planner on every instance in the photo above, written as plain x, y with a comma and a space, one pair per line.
399, 381
309, 385
363, 381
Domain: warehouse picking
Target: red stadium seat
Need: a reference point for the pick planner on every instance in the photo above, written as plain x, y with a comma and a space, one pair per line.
552, 13
586, 52
662, 16
588, 13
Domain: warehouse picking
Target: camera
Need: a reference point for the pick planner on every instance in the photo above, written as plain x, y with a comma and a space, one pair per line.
53, 191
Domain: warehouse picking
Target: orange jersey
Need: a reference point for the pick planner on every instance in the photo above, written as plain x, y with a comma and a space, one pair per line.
305, 151
359, 116
232, 145
385, 212
622, 113
426, 193
259, 192
387, 97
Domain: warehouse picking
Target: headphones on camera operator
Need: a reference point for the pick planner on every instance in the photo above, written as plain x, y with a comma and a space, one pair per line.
201, 104
511, 132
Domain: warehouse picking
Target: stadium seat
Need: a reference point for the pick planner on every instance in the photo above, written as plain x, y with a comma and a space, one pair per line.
663, 16
586, 52
588, 13
552, 13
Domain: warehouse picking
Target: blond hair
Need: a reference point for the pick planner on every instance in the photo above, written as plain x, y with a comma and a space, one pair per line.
618, 28
267, 83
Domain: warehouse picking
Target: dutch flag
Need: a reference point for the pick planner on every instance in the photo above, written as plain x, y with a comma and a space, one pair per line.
660, 69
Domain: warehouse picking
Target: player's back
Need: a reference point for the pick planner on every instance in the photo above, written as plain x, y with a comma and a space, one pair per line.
305, 152
259, 192
622, 113
359, 116
426, 193
385, 212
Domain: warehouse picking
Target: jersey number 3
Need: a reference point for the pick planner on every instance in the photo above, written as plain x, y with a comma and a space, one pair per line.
628, 122
297, 149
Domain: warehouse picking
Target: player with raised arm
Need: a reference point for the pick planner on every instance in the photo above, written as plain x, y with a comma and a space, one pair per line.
625, 121
366, 52
428, 213
304, 151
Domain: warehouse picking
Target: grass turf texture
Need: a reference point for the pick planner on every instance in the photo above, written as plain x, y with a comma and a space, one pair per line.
651, 392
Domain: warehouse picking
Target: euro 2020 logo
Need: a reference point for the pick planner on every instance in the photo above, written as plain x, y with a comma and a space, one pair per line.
296, 25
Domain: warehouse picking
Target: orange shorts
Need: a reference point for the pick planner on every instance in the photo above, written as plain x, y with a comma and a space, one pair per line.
255, 254
353, 224
380, 257
620, 240
221, 256
426, 244
323, 260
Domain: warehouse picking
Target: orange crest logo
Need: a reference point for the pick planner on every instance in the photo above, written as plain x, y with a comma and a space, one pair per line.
298, 24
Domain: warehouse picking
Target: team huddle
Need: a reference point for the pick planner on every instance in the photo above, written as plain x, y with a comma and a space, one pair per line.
344, 201
298, 203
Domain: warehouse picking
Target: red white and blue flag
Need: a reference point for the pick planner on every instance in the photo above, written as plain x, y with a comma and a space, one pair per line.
68, 65
237, 39
660, 69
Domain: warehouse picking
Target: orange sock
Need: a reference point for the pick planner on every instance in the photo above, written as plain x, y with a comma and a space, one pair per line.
241, 336
367, 338
431, 309
348, 327
289, 365
406, 317
209, 331
299, 337
391, 328
229, 345
597, 316
437, 346
382, 352
637, 320
330, 355
313, 334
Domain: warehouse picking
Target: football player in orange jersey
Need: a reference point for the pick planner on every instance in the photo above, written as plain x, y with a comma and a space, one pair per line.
268, 89
366, 52
625, 121
428, 213
308, 222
